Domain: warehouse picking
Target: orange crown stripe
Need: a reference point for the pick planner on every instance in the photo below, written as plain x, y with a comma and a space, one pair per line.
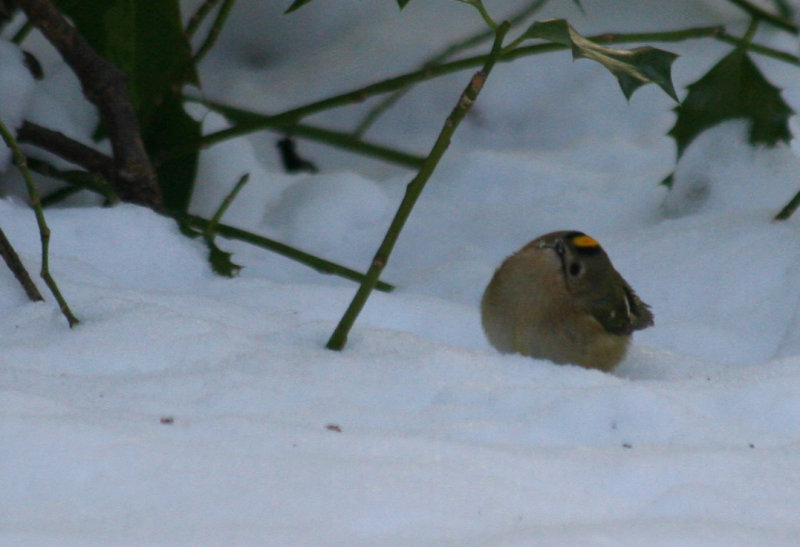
585, 241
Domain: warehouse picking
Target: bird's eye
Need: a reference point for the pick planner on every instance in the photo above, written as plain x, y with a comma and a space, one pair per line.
575, 269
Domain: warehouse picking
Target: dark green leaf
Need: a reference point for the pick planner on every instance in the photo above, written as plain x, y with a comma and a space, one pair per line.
402, 3
733, 88
297, 4
173, 128
144, 39
221, 261
633, 68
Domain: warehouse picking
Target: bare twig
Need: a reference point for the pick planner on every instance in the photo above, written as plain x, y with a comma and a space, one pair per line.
105, 86
44, 230
67, 148
18, 268
338, 339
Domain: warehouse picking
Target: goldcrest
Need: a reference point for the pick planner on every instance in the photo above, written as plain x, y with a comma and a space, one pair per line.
560, 298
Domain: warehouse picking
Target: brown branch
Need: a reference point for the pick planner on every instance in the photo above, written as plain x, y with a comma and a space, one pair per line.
106, 87
66, 148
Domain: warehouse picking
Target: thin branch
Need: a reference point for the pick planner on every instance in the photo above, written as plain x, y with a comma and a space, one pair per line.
105, 86
789, 209
337, 139
759, 13
86, 155
756, 48
44, 230
319, 264
214, 31
67, 148
293, 116
209, 230
76, 179
451, 50
18, 268
22, 33
338, 339
197, 19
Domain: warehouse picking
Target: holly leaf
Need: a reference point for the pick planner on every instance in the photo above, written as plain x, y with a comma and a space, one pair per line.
633, 68
171, 128
221, 261
733, 88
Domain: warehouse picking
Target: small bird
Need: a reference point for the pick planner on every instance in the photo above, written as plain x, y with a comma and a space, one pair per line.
560, 298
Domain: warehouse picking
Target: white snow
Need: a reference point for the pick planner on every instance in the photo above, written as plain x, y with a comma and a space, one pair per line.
189, 409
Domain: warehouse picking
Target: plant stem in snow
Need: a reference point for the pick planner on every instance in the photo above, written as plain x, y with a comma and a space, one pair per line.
315, 262
44, 230
18, 268
338, 339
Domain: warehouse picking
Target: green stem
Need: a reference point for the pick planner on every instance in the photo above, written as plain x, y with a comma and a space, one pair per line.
750, 32
18, 268
451, 50
761, 50
22, 33
252, 122
319, 264
213, 33
789, 209
212, 225
485, 14
44, 230
78, 180
758, 13
197, 18
338, 339
292, 117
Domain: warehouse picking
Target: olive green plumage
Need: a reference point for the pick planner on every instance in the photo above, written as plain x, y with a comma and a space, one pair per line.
560, 298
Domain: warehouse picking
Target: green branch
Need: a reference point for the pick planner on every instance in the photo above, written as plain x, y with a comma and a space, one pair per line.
44, 230
197, 18
252, 122
756, 48
319, 264
338, 339
290, 118
213, 33
451, 50
758, 13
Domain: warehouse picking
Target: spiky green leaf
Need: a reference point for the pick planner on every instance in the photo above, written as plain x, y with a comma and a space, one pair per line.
633, 68
221, 261
733, 88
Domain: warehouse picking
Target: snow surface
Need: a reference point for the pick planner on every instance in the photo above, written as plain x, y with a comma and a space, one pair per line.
188, 409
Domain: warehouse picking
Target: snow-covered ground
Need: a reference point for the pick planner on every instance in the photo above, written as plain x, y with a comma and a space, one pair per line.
188, 409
